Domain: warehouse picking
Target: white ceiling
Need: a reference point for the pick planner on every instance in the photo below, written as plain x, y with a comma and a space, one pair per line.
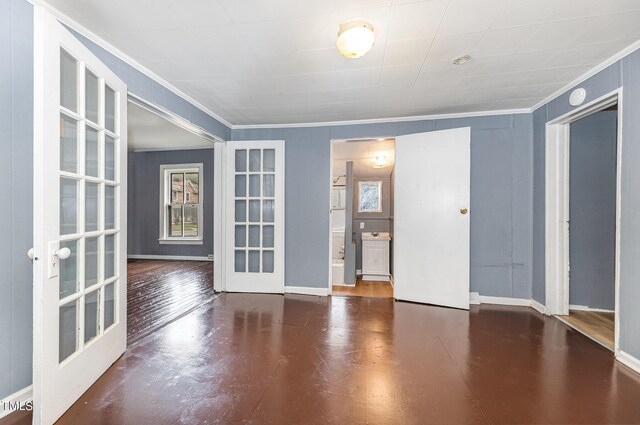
148, 131
363, 153
274, 61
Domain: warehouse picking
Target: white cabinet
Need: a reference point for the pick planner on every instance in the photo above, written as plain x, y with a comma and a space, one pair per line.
375, 256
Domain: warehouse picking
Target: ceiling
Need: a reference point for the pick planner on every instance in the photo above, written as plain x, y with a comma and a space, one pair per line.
274, 61
363, 153
148, 131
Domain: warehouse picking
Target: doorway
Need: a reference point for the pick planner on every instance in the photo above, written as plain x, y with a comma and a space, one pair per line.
583, 210
170, 193
362, 205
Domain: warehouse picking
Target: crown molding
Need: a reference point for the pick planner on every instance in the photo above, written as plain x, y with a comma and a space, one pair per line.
386, 120
73, 24
593, 71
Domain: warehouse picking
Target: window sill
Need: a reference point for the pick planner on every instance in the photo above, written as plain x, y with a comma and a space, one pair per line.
180, 241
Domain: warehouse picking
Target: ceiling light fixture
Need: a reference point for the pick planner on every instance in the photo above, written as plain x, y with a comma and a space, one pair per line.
355, 38
461, 60
381, 160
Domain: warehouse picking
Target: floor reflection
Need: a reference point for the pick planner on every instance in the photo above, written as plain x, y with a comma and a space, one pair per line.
301, 359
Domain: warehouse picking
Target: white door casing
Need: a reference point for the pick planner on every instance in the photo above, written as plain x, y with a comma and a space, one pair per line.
431, 218
254, 216
80, 224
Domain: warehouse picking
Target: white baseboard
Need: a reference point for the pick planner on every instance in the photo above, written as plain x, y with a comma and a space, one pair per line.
540, 308
19, 400
302, 290
477, 299
505, 301
629, 361
168, 258
586, 308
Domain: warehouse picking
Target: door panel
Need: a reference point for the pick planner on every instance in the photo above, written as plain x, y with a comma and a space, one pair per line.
79, 220
431, 225
255, 216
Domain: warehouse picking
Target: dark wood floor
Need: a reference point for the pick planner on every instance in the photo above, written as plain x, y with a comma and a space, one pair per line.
272, 359
159, 292
365, 288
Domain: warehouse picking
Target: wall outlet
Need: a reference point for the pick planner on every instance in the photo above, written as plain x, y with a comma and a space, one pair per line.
361, 225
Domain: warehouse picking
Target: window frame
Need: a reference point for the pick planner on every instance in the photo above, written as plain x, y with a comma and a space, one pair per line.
166, 200
378, 184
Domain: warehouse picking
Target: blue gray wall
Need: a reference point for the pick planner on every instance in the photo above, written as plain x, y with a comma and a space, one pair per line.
626, 74
144, 199
501, 197
16, 173
592, 210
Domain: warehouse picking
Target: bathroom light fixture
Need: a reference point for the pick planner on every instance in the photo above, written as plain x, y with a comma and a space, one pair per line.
381, 160
461, 60
355, 38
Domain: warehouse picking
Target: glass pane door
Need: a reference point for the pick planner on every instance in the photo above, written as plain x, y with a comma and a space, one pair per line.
255, 216
254, 190
88, 220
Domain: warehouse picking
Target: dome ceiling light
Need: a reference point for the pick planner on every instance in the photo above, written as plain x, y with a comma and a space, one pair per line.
355, 38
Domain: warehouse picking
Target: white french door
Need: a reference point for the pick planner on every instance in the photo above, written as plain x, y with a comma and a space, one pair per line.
79, 221
254, 224
431, 220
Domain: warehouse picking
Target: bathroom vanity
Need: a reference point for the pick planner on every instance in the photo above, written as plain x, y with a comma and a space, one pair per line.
375, 256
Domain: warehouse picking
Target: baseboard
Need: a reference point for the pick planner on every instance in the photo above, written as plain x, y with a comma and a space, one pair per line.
629, 361
21, 400
505, 301
539, 307
302, 290
586, 308
477, 299
168, 258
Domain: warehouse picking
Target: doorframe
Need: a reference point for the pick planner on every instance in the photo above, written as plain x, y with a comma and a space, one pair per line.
557, 141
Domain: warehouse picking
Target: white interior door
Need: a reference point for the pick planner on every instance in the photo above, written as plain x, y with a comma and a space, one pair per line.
80, 219
254, 203
431, 220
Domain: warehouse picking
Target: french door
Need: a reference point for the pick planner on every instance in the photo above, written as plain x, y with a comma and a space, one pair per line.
431, 220
254, 223
79, 221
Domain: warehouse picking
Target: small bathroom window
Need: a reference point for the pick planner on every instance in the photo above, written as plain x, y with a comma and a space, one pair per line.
370, 196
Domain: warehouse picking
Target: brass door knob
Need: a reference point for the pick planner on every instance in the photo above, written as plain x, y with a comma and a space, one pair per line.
463, 210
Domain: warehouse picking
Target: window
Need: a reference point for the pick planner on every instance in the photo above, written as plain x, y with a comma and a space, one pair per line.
370, 196
181, 203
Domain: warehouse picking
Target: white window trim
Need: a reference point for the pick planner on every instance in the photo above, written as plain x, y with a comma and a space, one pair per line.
370, 182
165, 195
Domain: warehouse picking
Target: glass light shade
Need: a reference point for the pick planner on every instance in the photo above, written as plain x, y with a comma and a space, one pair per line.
355, 38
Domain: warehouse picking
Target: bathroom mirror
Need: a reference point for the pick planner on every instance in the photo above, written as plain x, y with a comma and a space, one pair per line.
370, 196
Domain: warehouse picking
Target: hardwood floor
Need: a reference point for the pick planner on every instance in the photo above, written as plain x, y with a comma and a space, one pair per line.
273, 359
365, 289
597, 325
159, 292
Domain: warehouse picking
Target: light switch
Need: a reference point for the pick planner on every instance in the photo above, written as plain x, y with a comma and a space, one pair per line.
361, 225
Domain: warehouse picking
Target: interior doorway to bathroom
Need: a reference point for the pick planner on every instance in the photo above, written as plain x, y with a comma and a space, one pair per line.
362, 178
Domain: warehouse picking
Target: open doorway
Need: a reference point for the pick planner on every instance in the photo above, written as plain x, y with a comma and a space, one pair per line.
583, 290
592, 224
170, 219
362, 217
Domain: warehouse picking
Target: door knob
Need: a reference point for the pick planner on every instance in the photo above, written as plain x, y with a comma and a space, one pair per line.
32, 254
463, 210
63, 253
